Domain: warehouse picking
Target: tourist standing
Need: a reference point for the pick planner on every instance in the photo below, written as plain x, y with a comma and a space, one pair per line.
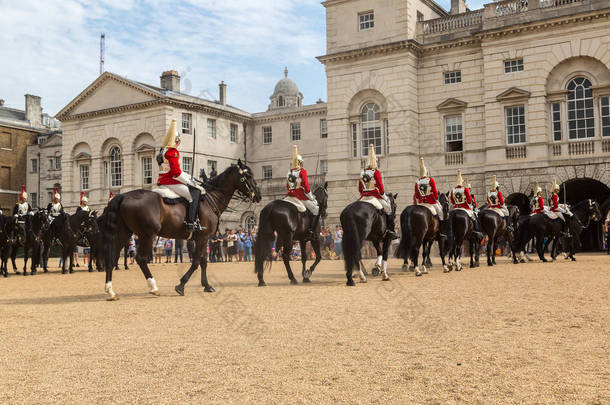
169, 247
248, 247
131, 249
178, 250
338, 240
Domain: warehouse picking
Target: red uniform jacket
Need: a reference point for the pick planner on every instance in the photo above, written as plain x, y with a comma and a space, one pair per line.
173, 158
540, 205
431, 198
500, 201
377, 192
555, 203
301, 191
465, 204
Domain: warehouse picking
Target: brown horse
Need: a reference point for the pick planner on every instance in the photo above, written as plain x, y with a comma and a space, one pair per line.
145, 214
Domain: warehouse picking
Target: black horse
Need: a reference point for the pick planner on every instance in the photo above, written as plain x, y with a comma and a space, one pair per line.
361, 221
494, 227
35, 226
584, 212
462, 227
282, 218
7, 238
16, 236
419, 227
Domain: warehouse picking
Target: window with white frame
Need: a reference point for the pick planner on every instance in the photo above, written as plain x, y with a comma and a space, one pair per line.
453, 77
84, 177
581, 121
34, 199
34, 166
116, 167
605, 115
354, 141
513, 65
556, 121
187, 123
58, 162
366, 20
323, 128
187, 164
515, 125
295, 131
234, 133
211, 128
267, 136
267, 172
212, 167
371, 128
324, 166
453, 134
250, 223
147, 173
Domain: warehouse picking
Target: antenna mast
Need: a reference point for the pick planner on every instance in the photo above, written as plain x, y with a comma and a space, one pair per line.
102, 51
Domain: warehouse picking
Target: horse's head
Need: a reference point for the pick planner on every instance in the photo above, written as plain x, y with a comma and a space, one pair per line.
443, 199
593, 211
246, 185
89, 223
40, 220
392, 198
321, 194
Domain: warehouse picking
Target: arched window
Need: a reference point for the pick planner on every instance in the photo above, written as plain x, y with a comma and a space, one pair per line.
250, 223
370, 122
115, 167
281, 101
581, 123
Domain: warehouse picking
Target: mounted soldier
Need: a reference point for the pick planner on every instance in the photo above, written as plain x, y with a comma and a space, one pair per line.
22, 209
55, 208
474, 199
559, 209
370, 186
110, 197
426, 193
84, 203
461, 198
495, 199
173, 178
297, 184
538, 202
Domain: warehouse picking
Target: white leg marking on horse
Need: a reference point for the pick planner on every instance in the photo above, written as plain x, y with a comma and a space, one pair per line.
417, 271
362, 276
152, 284
385, 276
111, 294
379, 259
424, 269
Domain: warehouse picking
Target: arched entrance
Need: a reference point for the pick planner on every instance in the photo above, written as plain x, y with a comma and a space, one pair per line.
520, 200
575, 190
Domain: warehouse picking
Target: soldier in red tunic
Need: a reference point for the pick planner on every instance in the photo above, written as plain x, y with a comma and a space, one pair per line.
474, 199
495, 199
425, 191
173, 178
110, 197
560, 209
461, 198
538, 201
371, 185
297, 185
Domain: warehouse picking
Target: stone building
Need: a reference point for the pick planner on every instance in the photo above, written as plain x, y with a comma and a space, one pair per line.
516, 89
43, 171
18, 130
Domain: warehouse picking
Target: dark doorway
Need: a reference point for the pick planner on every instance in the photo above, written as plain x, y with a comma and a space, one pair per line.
576, 190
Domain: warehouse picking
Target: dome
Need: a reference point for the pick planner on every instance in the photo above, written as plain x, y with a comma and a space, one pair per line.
286, 86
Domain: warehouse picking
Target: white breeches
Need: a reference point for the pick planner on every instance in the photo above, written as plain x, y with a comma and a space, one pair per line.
181, 189
387, 208
312, 206
439, 210
559, 215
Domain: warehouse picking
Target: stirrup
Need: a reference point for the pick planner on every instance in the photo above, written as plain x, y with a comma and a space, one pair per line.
442, 236
391, 234
195, 226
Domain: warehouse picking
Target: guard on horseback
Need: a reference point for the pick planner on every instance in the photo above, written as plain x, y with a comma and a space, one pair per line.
173, 178
538, 201
371, 185
22, 209
461, 198
474, 199
426, 192
110, 197
84, 203
495, 199
298, 187
55, 208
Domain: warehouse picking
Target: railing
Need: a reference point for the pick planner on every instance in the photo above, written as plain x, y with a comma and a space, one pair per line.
453, 22
557, 150
556, 3
516, 152
454, 158
605, 145
581, 148
510, 7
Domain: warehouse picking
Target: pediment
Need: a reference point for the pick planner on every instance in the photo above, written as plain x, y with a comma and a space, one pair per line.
513, 93
452, 104
145, 148
83, 156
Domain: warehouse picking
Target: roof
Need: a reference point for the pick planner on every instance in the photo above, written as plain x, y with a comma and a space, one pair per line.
12, 114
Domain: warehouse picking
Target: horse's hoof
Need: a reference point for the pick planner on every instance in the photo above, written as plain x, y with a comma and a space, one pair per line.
45, 271
294, 282
126, 268
350, 283
90, 270
113, 298
100, 271
573, 259
375, 271
262, 284
362, 281
306, 280
209, 289
385, 278
522, 261
418, 273
179, 289
405, 267
306, 274
472, 266
156, 293
446, 269
425, 270
71, 271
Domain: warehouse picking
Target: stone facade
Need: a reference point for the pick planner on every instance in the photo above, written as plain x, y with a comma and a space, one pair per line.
44, 168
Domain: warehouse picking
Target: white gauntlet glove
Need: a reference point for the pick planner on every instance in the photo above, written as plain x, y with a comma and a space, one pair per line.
310, 196
185, 178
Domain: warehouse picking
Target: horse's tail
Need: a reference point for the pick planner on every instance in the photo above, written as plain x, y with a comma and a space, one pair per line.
352, 243
404, 247
264, 239
109, 231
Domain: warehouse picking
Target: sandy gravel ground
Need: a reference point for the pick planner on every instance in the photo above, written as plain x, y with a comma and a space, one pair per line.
532, 333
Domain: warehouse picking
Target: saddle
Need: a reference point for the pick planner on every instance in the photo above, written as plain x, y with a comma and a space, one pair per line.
296, 202
373, 201
496, 210
429, 206
169, 197
469, 212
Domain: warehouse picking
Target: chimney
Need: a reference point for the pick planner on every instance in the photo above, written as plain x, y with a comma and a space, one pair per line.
458, 6
1, 102
33, 111
222, 93
170, 80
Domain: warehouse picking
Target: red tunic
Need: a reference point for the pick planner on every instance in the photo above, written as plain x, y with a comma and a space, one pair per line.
431, 198
377, 192
500, 201
465, 204
539, 205
300, 192
173, 158
555, 203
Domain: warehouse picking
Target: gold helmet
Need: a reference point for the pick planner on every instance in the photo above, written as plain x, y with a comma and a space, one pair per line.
83, 198
423, 172
538, 189
372, 160
556, 186
171, 136
459, 181
494, 183
297, 160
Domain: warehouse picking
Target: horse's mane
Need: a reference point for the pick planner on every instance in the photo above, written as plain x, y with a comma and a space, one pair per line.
217, 181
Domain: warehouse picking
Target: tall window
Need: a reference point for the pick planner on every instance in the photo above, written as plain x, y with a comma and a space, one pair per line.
34, 166
453, 77
186, 123
267, 136
267, 172
605, 114
116, 167
556, 120
250, 223
52, 163
354, 141
323, 129
371, 128
187, 164
34, 199
324, 166
211, 128
58, 162
295, 131
366, 20
84, 177
581, 123
281, 101
212, 166
147, 170
515, 125
513, 65
453, 134
234, 133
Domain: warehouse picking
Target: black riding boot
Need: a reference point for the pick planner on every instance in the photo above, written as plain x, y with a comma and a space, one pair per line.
507, 223
312, 229
564, 229
192, 222
477, 229
389, 230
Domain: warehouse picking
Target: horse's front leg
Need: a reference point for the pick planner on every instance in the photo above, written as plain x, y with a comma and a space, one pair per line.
315, 244
204, 277
196, 257
540, 248
377, 268
25, 258
71, 253
286, 251
14, 249
471, 250
384, 263
303, 245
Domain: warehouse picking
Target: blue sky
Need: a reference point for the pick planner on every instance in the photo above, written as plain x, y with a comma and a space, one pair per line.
52, 47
